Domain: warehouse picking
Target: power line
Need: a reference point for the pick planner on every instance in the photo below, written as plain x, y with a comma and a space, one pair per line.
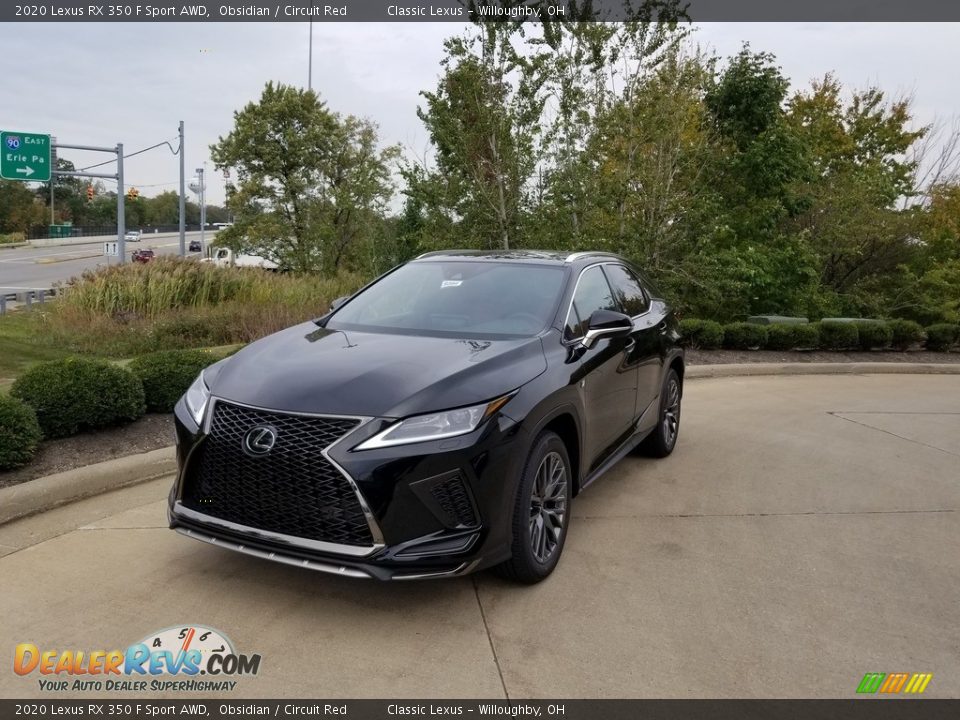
138, 152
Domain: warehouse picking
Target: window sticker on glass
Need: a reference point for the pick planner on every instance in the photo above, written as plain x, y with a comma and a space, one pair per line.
451, 283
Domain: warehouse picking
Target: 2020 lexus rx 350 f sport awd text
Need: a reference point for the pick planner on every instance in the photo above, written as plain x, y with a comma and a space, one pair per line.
438, 421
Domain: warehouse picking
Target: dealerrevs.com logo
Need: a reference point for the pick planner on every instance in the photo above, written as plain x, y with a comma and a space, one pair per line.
171, 659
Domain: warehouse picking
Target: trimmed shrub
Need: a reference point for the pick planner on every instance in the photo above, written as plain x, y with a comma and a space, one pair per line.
838, 335
167, 374
874, 335
80, 394
792, 337
701, 334
19, 433
942, 336
744, 336
905, 333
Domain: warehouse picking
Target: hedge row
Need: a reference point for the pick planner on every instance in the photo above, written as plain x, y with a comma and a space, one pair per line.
828, 335
63, 397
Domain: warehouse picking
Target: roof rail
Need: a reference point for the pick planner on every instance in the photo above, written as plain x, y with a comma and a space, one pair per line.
590, 253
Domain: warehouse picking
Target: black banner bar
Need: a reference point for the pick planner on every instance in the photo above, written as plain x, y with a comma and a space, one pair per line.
873, 708
478, 10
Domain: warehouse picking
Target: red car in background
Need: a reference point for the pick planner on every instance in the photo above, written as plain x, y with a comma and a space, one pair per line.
142, 256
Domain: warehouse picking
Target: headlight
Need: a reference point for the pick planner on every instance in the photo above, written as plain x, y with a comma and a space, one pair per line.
435, 426
196, 398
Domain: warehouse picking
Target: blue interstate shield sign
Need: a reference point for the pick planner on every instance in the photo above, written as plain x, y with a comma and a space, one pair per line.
13, 141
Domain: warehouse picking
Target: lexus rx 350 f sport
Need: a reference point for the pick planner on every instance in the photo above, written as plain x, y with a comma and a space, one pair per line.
438, 421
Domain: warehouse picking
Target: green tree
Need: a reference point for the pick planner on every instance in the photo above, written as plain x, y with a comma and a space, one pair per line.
20, 209
307, 179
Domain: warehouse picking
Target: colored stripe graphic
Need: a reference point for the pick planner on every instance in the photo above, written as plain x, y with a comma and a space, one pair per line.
918, 683
871, 682
894, 682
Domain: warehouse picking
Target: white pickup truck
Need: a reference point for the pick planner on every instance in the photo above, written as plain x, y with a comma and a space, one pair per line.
225, 257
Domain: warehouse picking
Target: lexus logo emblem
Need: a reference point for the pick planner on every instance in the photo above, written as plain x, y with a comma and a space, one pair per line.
260, 440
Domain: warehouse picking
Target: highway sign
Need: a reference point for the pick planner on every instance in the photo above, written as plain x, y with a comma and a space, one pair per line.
110, 249
24, 156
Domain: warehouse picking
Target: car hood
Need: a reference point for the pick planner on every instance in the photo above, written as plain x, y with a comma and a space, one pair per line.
311, 369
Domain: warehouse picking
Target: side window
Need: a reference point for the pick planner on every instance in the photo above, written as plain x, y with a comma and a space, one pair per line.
593, 293
627, 289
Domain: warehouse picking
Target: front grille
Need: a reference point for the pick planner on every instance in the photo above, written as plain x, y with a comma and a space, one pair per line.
453, 499
292, 489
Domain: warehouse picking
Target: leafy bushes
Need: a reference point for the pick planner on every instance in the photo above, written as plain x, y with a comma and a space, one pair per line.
80, 394
701, 334
838, 335
793, 336
942, 336
904, 333
167, 374
744, 336
826, 335
874, 335
19, 433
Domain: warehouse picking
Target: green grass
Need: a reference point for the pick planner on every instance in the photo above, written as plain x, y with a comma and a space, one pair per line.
25, 340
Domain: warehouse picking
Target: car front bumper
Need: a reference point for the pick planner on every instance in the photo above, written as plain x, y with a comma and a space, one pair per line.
418, 528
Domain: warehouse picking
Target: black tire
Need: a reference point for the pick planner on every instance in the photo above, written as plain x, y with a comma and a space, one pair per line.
541, 512
663, 438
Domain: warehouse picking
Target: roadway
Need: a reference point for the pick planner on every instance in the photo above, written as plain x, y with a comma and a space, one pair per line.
804, 532
40, 267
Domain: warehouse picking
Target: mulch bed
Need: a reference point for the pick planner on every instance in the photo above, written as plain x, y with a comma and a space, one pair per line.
148, 433
724, 357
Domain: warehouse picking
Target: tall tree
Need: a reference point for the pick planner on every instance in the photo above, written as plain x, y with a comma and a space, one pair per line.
306, 178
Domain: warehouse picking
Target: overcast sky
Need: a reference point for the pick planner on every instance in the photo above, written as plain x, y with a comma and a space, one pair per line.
99, 84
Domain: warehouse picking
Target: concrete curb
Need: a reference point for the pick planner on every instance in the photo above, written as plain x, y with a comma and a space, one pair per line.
46, 493
818, 368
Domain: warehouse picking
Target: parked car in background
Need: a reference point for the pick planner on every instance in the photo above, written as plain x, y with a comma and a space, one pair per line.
437, 422
225, 257
132, 236
195, 246
143, 256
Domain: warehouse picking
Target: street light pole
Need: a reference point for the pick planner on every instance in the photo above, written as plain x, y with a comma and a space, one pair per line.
310, 61
183, 200
203, 207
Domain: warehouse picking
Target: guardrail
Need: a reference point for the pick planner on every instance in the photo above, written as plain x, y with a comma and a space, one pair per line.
25, 297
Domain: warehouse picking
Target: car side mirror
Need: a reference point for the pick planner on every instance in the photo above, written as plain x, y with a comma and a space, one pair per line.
606, 323
338, 302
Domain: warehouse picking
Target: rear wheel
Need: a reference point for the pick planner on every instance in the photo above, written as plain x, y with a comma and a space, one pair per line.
663, 438
541, 512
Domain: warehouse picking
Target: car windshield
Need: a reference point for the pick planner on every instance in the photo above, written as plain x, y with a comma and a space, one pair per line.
475, 300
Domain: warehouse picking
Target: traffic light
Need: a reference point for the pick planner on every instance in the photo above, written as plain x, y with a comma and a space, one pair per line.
89, 193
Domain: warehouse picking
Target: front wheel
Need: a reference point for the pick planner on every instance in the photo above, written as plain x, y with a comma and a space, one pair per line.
663, 438
541, 512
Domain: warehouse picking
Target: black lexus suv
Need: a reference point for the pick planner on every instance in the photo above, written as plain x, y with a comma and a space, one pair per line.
436, 422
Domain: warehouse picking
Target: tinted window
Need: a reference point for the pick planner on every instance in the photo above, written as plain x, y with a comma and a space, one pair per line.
627, 289
593, 293
458, 299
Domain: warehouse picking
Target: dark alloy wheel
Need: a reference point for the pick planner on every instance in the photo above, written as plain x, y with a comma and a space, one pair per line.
541, 511
663, 438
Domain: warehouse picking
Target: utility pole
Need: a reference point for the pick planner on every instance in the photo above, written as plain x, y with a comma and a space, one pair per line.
202, 192
310, 61
121, 216
53, 162
183, 200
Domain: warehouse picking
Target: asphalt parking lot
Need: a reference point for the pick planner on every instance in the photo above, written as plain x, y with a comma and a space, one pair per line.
804, 532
